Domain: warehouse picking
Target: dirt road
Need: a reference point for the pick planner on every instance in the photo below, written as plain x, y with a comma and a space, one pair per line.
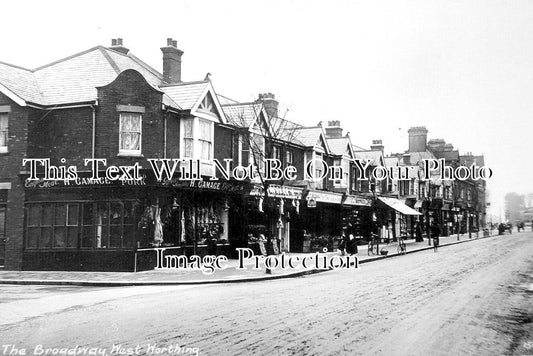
472, 298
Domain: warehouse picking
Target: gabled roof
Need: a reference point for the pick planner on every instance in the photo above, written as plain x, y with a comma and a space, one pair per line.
186, 95
284, 129
375, 155
391, 161
242, 114
311, 137
416, 157
339, 145
73, 79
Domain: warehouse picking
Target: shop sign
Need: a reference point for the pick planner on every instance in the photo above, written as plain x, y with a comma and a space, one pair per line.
81, 182
278, 191
352, 200
326, 197
219, 185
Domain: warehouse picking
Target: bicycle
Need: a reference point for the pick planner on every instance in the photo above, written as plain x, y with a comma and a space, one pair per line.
372, 246
402, 248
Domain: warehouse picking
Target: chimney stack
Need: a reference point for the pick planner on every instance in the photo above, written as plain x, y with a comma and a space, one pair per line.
171, 62
377, 145
334, 129
116, 45
436, 145
269, 103
417, 139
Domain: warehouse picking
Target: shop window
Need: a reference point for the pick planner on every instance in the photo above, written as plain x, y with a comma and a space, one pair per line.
130, 133
99, 225
3, 132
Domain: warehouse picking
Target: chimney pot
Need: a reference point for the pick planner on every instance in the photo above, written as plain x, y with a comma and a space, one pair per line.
171, 62
116, 45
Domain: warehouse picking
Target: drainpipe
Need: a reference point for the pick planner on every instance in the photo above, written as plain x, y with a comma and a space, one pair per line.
165, 118
93, 107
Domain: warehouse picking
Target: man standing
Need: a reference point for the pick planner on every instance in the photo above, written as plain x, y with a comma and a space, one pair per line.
435, 233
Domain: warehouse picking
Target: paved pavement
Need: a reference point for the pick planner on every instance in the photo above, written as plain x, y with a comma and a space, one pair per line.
181, 276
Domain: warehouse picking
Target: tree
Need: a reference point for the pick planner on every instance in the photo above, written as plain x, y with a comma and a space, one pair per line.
263, 134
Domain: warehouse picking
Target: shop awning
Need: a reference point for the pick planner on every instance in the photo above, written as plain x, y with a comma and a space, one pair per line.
399, 206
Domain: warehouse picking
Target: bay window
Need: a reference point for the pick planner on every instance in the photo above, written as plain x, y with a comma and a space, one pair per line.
188, 138
205, 139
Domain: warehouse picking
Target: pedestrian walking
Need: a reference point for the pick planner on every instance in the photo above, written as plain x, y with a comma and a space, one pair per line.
435, 234
351, 245
418, 232
342, 244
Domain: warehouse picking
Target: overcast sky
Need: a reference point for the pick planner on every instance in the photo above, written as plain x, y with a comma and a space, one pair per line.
463, 69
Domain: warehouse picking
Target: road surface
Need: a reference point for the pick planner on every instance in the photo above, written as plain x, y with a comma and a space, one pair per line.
473, 298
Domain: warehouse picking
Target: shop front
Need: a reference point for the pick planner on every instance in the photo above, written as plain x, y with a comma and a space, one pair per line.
273, 215
320, 223
396, 216
89, 225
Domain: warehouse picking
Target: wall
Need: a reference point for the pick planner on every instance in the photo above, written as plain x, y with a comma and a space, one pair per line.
10, 166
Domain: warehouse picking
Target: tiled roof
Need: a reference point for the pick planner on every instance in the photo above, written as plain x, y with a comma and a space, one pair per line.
375, 155
284, 129
224, 100
73, 79
358, 148
391, 161
447, 155
242, 114
20, 81
185, 94
415, 157
308, 136
468, 160
338, 145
